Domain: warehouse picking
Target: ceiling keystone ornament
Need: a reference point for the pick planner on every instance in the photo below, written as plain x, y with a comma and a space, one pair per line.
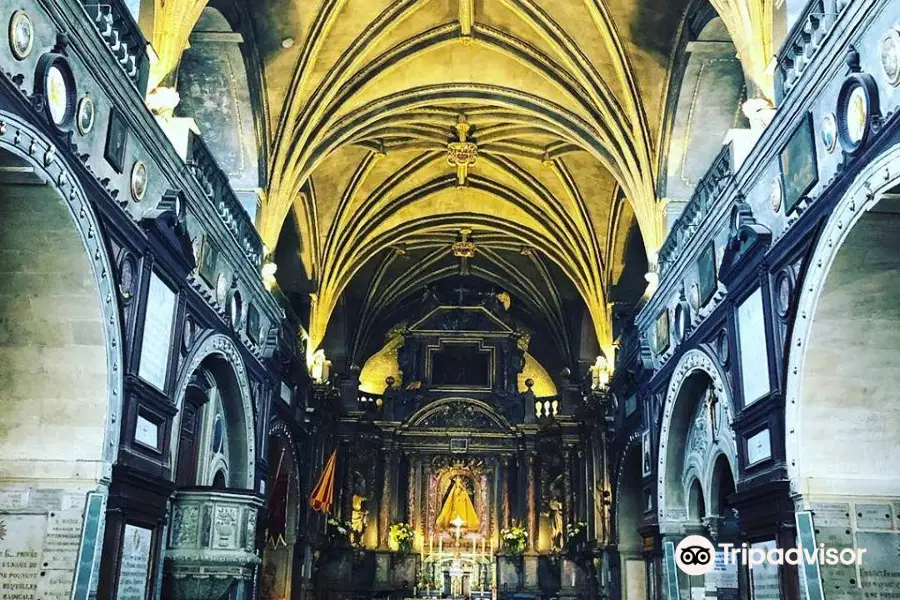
462, 153
463, 249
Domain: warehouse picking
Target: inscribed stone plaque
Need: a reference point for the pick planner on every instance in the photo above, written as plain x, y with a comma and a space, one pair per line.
754, 348
62, 540
157, 333
764, 578
134, 570
873, 516
759, 447
14, 500
830, 514
722, 581
880, 567
21, 540
146, 432
838, 581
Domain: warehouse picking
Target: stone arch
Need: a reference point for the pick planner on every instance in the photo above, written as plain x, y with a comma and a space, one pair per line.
629, 517
677, 451
696, 503
823, 312
219, 353
23, 143
283, 491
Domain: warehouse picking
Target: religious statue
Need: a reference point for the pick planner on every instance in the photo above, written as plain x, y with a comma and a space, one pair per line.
458, 508
320, 368
556, 523
359, 515
599, 374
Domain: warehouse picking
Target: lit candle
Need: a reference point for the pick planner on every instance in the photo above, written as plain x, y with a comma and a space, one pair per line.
483, 543
440, 544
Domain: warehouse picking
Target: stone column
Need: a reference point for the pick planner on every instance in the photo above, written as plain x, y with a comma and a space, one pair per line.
531, 490
569, 509
504, 492
384, 506
347, 474
411, 499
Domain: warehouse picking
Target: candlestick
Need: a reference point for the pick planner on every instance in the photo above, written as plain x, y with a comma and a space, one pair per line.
473, 545
483, 543
440, 544
431, 545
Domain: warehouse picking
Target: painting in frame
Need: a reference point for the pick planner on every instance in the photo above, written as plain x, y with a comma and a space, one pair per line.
799, 168
707, 268
661, 339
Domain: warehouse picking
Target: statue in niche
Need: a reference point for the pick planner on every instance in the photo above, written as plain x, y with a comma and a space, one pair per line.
359, 515
555, 513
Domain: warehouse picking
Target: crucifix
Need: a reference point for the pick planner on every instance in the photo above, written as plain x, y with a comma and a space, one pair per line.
462, 153
464, 249
461, 290
712, 405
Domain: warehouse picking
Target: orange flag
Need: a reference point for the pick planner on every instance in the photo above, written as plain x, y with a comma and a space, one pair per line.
323, 493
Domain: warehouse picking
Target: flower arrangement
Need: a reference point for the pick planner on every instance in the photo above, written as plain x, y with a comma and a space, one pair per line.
514, 539
402, 536
576, 531
338, 532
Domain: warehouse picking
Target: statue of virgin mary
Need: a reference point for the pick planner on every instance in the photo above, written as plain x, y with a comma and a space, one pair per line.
458, 505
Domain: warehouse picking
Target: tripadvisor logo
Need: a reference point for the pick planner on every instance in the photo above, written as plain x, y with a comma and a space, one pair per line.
695, 555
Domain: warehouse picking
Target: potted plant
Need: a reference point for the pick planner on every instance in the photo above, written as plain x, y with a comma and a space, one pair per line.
402, 537
514, 540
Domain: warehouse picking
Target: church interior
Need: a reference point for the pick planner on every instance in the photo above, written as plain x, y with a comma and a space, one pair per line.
450, 300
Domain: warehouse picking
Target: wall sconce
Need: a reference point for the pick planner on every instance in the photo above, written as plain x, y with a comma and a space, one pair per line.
599, 372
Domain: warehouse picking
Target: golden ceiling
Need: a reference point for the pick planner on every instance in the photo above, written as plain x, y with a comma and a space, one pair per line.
546, 110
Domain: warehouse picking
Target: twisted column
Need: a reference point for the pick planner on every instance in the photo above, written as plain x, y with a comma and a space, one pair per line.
531, 486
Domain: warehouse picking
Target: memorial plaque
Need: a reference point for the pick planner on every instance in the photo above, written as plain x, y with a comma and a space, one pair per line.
154, 365
285, 393
20, 555
880, 567
838, 581
764, 583
134, 570
722, 581
874, 516
14, 500
146, 432
759, 447
754, 349
830, 514
62, 540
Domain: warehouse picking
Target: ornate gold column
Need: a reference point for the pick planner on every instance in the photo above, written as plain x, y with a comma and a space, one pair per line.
531, 499
569, 513
412, 492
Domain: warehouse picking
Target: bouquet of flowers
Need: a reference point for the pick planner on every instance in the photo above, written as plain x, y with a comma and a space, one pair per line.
402, 536
575, 532
514, 539
338, 532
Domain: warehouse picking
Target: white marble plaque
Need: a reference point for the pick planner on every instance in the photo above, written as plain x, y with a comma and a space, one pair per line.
63, 540
759, 447
146, 432
156, 344
764, 578
880, 567
21, 542
753, 348
134, 570
13, 500
285, 393
874, 516
830, 514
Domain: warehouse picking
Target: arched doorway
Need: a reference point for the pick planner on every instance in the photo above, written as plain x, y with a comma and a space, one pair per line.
842, 425
629, 519
281, 525
60, 351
